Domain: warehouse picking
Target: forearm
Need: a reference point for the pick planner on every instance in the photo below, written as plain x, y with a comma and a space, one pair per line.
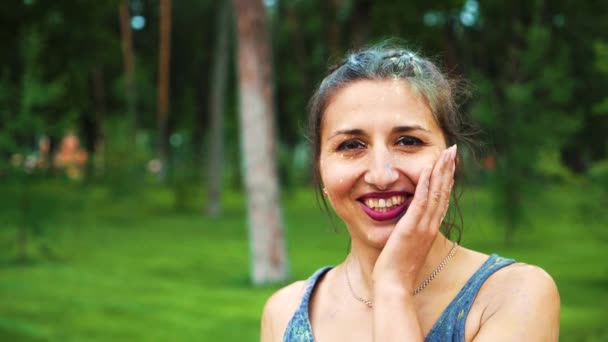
394, 317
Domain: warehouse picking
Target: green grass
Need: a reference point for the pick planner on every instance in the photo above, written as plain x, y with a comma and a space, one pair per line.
132, 268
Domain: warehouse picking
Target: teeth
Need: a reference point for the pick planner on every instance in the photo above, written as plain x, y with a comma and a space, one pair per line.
384, 204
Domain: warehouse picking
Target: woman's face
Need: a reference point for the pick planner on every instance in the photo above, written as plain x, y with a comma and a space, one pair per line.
376, 138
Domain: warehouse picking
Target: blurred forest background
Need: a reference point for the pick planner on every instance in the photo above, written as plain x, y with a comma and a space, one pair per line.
139, 201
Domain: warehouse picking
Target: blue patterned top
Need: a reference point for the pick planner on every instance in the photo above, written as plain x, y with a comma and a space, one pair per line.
449, 326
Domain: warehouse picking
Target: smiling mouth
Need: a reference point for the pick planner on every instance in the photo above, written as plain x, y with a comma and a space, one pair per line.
385, 206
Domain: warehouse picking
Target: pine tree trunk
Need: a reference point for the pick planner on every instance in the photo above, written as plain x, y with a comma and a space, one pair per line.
333, 29
218, 96
163, 86
359, 23
128, 57
268, 255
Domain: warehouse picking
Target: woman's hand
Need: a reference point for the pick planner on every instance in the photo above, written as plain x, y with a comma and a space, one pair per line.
398, 264
410, 241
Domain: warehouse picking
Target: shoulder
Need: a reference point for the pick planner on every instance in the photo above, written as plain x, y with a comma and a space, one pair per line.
523, 280
278, 310
524, 305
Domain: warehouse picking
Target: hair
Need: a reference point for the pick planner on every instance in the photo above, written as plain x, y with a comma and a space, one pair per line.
385, 62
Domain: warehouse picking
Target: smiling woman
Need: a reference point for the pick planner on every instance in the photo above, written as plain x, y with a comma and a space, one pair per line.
385, 129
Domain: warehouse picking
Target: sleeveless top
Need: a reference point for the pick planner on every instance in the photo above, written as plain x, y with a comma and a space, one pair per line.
449, 326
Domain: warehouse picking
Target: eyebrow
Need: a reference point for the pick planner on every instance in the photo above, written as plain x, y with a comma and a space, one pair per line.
404, 129
398, 129
354, 131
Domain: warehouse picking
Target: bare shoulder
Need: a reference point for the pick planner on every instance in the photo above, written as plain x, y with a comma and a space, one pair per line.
524, 305
278, 310
530, 273
521, 280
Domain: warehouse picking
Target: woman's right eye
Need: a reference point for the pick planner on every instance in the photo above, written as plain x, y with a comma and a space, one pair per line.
351, 145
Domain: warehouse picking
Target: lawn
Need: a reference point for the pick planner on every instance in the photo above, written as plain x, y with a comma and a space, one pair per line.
112, 266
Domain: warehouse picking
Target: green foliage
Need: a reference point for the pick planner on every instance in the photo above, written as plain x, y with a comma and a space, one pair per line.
524, 108
539, 70
294, 165
184, 172
124, 159
601, 64
22, 121
23, 107
592, 208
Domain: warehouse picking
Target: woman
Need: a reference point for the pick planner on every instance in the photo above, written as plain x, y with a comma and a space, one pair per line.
385, 129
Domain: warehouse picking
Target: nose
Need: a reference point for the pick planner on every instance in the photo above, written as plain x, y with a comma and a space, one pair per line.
380, 173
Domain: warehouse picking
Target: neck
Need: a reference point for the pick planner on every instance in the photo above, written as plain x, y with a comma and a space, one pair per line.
362, 258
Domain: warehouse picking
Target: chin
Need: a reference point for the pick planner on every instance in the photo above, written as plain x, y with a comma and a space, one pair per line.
377, 237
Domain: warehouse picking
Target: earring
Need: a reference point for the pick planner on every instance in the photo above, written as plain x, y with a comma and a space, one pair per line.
325, 191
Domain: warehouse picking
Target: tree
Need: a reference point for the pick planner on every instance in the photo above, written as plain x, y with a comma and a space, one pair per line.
524, 94
99, 97
163, 85
21, 122
218, 97
268, 254
128, 56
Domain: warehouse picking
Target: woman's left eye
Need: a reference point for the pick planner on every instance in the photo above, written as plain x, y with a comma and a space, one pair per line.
409, 141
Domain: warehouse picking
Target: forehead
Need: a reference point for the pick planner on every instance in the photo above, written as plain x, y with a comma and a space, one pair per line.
371, 104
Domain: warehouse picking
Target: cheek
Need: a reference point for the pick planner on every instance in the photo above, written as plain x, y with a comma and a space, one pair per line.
338, 177
412, 165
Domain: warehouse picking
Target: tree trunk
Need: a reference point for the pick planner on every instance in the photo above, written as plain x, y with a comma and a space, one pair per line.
268, 255
218, 96
163, 86
359, 24
128, 57
334, 30
449, 41
100, 109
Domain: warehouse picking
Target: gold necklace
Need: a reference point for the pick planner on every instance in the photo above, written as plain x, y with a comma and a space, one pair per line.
420, 287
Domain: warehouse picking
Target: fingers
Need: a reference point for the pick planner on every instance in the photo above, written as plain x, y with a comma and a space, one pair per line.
432, 196
442, 180
420, 201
